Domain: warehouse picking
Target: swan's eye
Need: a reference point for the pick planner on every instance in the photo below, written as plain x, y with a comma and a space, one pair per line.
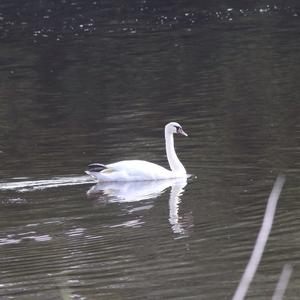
177, 128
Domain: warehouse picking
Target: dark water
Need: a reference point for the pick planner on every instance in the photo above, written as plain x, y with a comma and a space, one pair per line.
98, 83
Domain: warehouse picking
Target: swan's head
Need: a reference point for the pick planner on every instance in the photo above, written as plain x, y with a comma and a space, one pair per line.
174, 127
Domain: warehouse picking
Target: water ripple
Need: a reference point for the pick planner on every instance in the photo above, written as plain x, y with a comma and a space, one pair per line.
31, 185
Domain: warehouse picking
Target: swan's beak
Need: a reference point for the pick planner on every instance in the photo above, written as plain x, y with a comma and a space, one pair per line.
180, 130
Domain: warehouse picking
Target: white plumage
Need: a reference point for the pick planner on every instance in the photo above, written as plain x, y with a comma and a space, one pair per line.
139, 170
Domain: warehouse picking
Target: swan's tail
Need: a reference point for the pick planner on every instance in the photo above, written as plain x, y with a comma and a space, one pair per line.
95, 167
94, 170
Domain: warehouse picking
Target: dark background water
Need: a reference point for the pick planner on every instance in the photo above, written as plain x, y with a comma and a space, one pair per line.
85, 81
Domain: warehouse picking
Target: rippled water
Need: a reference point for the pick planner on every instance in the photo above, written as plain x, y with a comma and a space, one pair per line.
99, 86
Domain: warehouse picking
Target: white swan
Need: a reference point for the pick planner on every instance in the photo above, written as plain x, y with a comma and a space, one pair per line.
139, 170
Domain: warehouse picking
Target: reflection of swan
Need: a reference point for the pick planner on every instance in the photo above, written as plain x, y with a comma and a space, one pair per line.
142, 190
139, 170
174, 200
130, 191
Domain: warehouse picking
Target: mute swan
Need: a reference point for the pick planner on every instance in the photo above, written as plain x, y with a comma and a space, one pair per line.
139, 170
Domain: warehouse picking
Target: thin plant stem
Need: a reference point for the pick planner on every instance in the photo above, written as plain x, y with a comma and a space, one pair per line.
261, 240
283, 282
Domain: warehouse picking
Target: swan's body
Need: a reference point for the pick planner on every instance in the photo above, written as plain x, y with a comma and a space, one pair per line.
139, 170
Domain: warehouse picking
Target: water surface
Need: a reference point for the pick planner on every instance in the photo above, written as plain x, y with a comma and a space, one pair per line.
71, 96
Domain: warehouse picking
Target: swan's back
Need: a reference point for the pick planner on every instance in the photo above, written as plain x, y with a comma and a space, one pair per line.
132, 170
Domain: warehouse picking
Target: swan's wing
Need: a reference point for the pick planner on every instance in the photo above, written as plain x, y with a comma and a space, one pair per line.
139, 170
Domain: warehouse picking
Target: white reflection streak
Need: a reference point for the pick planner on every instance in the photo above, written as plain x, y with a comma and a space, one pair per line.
176, 191
31, 185
261, 241
283, 282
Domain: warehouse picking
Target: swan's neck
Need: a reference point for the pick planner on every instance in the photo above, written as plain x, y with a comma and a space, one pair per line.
175, 164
